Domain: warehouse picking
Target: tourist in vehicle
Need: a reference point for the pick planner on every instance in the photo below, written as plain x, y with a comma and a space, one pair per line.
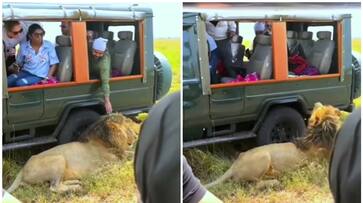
100, 68
260, 29
213, 58
36, 60
222, 31
268, 28
65, 28
14, 32
90, 38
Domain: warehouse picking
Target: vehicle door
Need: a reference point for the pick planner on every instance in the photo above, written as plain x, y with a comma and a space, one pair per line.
195, 93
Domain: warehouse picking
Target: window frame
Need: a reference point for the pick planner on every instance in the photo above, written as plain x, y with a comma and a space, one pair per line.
81, 67
279, 41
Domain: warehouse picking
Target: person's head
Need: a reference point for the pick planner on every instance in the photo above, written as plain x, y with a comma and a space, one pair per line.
259, 28
65, 28
13, 28
91, 36
35, 34
99, 47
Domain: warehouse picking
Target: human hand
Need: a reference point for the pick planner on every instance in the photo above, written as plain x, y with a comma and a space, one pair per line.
108, 105
14, 68
10, 51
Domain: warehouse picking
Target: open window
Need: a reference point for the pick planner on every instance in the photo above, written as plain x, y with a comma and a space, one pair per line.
63, 48
123, 47
248, 54
312, 48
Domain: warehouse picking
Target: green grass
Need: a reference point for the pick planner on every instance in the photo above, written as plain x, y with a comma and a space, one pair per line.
356, 45
308, 184
171, 49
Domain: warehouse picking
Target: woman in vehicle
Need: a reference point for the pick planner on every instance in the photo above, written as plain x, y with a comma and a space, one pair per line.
36, 59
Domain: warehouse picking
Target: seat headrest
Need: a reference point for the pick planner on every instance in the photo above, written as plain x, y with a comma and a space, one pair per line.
322, 35
125, 35
237, 39
107, 35
263, 39
291, 34
63, 41
306, 35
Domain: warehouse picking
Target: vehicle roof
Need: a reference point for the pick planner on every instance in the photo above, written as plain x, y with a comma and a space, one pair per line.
272, 11
56, 11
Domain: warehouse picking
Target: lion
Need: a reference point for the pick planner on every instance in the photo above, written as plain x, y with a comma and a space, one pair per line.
106, 140
274, 159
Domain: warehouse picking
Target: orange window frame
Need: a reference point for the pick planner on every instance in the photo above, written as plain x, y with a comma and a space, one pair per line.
280, 61
81, 66
340, 64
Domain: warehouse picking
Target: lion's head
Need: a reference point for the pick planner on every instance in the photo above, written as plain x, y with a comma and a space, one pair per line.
114, 130
324, 123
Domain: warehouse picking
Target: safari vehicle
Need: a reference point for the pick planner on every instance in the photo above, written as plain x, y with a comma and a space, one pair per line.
51, 113
276, 107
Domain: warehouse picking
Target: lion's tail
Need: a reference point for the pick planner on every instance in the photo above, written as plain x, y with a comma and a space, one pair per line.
16, 182
225, 176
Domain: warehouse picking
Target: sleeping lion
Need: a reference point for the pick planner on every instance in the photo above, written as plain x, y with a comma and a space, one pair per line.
106, 140
273, 159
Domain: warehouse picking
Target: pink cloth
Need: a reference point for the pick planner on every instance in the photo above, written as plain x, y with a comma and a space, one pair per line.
51, 80
251, 77
303, 67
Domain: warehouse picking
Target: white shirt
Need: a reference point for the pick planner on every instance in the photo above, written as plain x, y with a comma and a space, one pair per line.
10, 43
212, 43
220, 31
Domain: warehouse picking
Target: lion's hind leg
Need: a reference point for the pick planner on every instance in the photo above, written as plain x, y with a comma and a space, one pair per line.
46, 168
252, 167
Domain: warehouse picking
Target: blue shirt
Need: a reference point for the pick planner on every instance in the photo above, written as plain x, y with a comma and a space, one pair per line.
37, 64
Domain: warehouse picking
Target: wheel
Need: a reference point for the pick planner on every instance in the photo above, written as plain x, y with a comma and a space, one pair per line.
163, 75
76, 123
281, 125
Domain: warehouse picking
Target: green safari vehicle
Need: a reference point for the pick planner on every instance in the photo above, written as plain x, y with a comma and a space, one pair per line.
276, 107
57, 113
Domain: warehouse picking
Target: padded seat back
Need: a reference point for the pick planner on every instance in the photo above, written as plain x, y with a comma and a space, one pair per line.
64, 53
110, 43
305, 39
261, 60
322, 52
291, 40
237, 50
124, 53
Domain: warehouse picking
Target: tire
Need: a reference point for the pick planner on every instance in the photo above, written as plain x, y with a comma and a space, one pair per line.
76, 123
281, 124
163, 75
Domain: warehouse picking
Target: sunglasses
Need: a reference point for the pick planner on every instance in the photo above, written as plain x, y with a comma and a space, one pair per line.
38, 34
18, 32
63, 26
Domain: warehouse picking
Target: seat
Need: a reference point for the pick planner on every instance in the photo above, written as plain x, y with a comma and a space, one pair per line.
124, 53
305, 39
64, 53
237, 50
261, 59
291, 40
322, 52
110, 43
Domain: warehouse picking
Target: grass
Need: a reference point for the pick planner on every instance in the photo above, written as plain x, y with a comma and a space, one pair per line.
171, 49
308, 184
114, 183
356, 45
